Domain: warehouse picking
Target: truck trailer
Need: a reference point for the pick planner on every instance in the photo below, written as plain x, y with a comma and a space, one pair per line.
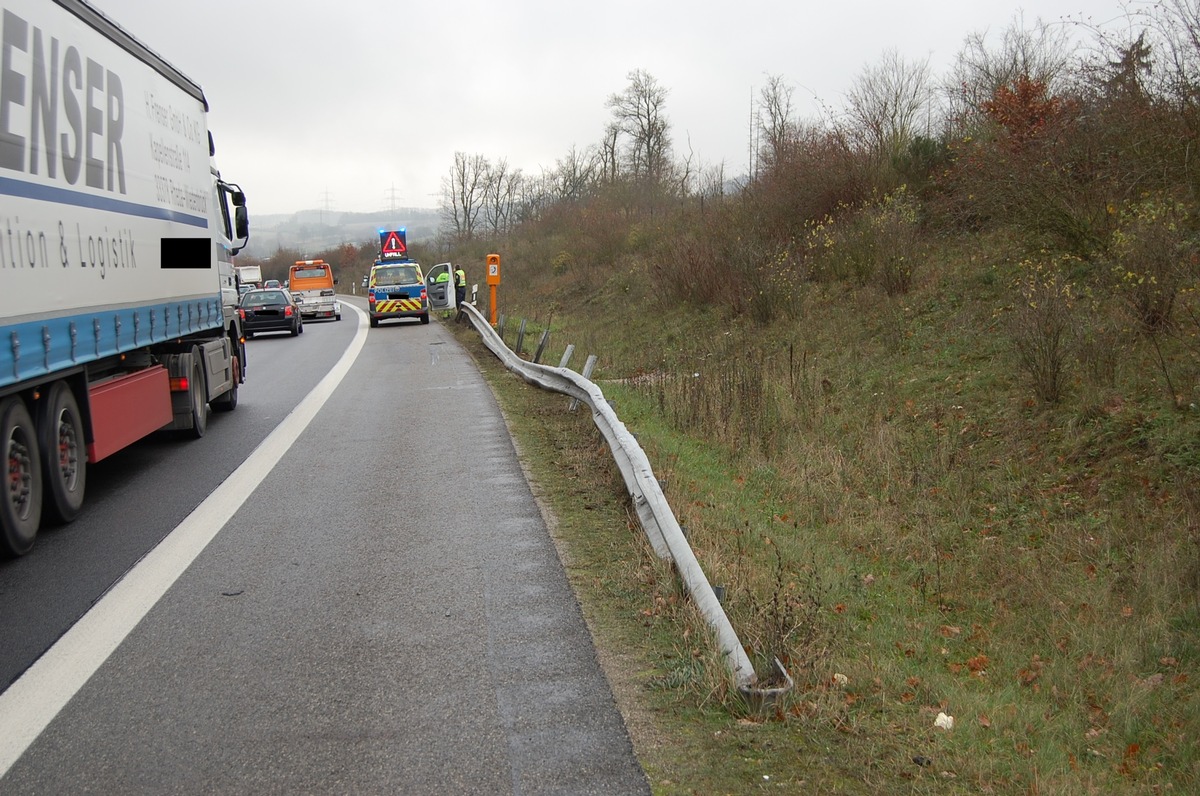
118, 313
249, 275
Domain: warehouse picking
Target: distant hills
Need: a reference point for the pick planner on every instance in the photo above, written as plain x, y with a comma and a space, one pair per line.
311, 231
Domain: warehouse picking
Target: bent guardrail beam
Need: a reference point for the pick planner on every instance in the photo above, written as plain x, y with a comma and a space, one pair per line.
655, 514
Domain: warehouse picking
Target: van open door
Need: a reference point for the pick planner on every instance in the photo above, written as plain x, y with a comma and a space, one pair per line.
441, 293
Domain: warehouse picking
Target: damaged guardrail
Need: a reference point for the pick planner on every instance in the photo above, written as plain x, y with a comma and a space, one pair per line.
655, 514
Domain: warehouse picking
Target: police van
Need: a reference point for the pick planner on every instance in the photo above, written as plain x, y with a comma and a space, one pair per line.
396, 289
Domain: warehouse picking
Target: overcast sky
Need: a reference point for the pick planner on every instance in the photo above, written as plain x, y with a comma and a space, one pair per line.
356, 105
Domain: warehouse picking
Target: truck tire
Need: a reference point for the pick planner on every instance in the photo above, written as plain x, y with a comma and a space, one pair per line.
21, 505
424, 317
63, 452
198, 394
374, 322
227, 401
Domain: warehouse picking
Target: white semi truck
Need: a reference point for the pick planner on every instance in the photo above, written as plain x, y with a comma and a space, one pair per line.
249, 275
118, 311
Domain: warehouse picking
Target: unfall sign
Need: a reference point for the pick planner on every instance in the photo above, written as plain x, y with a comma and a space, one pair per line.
392, 245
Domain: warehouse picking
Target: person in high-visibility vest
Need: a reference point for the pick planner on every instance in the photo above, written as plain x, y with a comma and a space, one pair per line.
460, 286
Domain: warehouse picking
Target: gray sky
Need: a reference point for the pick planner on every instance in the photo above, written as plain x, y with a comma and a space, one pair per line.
335, 104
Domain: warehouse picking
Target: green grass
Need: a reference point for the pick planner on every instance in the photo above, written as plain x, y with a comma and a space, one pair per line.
883, 497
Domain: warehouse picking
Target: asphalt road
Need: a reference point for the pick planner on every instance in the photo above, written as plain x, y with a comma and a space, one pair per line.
137, 496
385, 614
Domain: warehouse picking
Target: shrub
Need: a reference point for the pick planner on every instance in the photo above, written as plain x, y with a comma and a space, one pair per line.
877, 245
1030, 166
1041, 327
1155, 255
812, 179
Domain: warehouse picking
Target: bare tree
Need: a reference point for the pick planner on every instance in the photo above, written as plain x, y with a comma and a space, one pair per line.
534, 195
575, 174
463, 194
1041, 53
685, 172
638, 114
609, 154
501, 190
1171, 30
774, 119
886, 102
712, 181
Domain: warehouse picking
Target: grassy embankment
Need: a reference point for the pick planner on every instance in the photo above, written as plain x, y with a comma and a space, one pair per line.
875, 481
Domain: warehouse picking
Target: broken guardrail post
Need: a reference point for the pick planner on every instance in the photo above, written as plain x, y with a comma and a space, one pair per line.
520, 337
588, 367
541, 349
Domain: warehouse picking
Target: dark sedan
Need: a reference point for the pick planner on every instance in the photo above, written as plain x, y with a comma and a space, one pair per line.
270, 311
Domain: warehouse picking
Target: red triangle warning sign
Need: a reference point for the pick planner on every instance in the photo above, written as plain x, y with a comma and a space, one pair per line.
393, 245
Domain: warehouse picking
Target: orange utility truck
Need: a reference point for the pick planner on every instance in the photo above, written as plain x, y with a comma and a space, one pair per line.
311, 283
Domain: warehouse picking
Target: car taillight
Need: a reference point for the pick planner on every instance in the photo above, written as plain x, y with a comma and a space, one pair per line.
287, 312
241, 313
424, 294
370, 298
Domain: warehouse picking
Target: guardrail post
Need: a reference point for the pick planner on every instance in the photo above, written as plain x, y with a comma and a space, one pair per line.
500, 326
566, 357
537, 357
588, 366
520, 337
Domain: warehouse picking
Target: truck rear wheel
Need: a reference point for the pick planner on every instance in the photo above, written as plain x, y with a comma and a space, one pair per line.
198, 394
63, 452
21, 506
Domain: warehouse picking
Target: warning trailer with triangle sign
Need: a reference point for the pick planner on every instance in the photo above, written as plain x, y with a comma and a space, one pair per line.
392, 245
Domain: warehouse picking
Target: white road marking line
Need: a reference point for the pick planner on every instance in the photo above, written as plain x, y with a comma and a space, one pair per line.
34, 699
